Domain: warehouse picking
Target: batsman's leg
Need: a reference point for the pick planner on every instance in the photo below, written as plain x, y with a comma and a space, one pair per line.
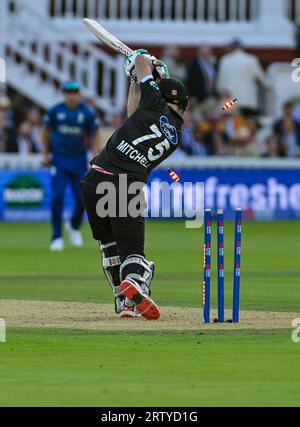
111, 266
136, 272
101, 230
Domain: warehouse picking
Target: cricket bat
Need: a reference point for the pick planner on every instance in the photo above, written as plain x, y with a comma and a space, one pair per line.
107, 38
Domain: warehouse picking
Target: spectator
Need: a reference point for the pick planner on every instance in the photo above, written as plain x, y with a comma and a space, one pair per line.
204, 136
272, 149
287, 129
8, 143
289, 141
296, 111
25, 141
34, 118
172, 57
226, 128
287, 114
248, 141
5, 106
239, 75
191, 143
201, 76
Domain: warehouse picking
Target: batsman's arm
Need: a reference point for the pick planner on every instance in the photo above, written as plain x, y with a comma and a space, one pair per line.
143, 67
46, 145
134, 98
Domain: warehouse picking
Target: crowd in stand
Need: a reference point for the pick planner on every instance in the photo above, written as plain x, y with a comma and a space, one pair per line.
208, 130
23, 138
239, 131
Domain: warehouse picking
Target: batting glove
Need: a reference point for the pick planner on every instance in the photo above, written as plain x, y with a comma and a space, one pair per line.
161, 69
130, 63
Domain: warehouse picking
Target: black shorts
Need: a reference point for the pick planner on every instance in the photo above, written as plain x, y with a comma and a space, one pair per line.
127, 232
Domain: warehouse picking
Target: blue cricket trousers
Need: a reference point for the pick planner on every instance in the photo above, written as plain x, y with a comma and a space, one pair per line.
60, 178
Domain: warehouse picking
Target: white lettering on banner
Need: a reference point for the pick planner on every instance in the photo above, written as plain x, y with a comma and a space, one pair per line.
210, 189
23, 195
239, 196
270, 196
278, 195
258, 197
294, 198
223, 193
263, 199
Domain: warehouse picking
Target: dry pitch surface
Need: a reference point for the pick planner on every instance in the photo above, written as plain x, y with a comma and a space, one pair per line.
101, 316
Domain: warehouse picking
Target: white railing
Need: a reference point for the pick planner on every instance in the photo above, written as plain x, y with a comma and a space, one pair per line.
179, 22
57, 62
157, 10
34, 49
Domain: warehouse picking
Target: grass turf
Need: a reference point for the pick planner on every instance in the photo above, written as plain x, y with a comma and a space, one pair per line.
70, 368
270, 268
60, 367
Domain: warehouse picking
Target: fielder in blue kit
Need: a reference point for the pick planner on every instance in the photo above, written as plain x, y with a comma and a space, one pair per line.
71, 129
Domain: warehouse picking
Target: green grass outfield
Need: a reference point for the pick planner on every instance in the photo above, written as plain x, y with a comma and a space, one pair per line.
115, 368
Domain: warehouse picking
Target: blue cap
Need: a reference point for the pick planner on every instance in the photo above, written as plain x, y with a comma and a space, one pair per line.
71, 86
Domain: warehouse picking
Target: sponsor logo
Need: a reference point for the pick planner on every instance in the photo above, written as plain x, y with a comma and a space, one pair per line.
69, 130
168, 130
23, 191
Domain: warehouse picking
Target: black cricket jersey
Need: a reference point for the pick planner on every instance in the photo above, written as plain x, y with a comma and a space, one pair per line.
147, 137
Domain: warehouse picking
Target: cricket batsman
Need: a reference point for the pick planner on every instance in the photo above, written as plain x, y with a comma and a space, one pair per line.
150, 134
